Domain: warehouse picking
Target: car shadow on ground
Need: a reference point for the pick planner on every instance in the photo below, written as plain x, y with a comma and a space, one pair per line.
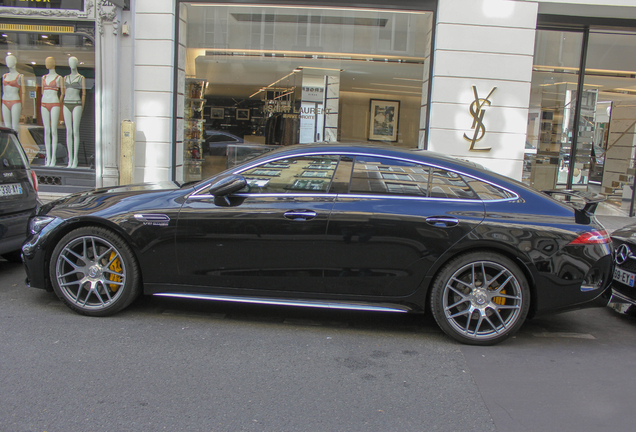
393, 322
575, 325
270, 314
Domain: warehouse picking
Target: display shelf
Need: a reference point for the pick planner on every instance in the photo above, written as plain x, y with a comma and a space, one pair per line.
194, 127
191, 170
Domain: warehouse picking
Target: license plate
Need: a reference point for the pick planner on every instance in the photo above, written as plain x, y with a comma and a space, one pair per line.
624, 277
10, 189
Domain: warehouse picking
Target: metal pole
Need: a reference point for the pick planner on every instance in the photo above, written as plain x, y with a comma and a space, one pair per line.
631, 204
577, 110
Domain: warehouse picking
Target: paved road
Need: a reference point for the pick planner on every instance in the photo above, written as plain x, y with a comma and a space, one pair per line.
193, 366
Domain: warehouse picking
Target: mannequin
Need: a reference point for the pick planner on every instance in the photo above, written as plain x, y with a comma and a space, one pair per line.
50, 110
12, 94
74, 97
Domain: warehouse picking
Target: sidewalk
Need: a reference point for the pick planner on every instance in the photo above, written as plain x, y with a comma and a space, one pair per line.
613, 218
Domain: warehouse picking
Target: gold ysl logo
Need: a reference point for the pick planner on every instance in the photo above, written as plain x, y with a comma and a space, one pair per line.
477, 111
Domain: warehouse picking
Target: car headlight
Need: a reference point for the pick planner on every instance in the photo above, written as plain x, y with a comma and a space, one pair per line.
37, 223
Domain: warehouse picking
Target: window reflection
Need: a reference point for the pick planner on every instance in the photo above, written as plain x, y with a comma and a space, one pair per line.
278, 76
604, 135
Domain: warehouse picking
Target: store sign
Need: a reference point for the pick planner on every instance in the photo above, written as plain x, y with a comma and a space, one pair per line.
313, 94
477, 111
304, 112
45, 4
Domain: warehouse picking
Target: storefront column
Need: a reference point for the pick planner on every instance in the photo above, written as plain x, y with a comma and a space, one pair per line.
483, 60
154, 69
319, 110
107, 95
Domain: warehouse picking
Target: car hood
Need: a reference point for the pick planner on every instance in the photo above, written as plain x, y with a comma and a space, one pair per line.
101, 198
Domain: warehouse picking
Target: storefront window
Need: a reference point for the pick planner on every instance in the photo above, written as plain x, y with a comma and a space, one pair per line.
276, 76
48, 84
605, 135
555, 79
610, 74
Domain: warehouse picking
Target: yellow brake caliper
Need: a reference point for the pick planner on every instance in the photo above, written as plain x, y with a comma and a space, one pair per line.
500, 300
116, 267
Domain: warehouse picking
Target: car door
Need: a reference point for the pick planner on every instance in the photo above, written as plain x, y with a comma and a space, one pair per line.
392, 223
270, 238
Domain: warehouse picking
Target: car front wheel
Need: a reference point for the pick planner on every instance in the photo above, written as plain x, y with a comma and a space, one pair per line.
94, 272
480, 298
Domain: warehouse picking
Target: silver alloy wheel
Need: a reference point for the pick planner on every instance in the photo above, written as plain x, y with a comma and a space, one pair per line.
482, 300
90, 272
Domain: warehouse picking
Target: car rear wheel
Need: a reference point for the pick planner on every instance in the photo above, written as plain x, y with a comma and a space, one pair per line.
94, 272
480, 298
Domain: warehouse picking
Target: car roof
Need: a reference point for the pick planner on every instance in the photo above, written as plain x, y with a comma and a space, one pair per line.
384, 150
218, 132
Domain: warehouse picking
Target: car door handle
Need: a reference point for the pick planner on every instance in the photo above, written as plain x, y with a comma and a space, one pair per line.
300, 214
442, 221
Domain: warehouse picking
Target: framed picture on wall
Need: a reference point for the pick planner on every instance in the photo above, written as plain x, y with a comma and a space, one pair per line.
242, 114
383, 120
217, 113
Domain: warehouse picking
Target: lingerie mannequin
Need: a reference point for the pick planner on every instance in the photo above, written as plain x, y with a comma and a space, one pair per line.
50, 110
12, 94
74, 96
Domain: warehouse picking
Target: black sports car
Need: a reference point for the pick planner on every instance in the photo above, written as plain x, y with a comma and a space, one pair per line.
332, 226
623, 290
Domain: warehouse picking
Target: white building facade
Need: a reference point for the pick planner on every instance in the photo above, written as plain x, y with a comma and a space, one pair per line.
538, 90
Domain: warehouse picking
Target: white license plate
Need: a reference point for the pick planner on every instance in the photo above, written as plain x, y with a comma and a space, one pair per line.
624, 277
10, 189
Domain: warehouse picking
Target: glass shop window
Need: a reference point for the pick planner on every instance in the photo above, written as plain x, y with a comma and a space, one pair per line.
48, 95
308, 174
281, 75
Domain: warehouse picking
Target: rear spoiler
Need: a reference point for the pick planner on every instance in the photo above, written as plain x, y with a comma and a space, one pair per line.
582, 215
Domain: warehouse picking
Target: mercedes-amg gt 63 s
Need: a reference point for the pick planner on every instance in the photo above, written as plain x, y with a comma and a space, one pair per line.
623, 289
332, 226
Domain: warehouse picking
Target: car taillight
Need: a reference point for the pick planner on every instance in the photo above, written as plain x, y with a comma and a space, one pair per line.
592, 237
34, 180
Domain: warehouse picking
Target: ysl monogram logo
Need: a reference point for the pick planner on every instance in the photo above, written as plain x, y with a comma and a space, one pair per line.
477, 111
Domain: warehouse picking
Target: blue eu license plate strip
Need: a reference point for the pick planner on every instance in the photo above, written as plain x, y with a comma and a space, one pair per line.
10, 189
624, 277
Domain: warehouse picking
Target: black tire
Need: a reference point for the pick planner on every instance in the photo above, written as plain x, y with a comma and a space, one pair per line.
94, 284
475, 310
13, 257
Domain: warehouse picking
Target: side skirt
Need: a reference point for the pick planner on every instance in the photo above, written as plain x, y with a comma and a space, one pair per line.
296, 303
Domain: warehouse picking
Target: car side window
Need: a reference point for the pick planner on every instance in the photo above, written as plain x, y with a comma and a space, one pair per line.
374, 175
448, 184
10, 155
486, 191
306, 174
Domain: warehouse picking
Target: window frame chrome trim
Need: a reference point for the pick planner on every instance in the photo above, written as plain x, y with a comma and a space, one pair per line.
354, 196
514, 197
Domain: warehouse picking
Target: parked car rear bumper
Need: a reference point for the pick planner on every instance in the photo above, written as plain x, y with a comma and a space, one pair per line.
13, 231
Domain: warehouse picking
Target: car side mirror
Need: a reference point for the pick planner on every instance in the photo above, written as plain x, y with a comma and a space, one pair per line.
226, 186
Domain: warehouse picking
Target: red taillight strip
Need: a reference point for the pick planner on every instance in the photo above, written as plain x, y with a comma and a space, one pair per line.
592, 237
34, 180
